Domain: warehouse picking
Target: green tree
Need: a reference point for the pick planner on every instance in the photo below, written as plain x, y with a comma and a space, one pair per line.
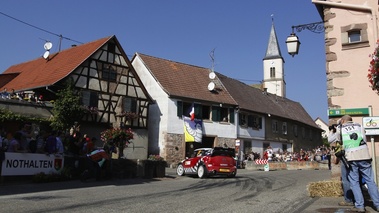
7, 115
67, 108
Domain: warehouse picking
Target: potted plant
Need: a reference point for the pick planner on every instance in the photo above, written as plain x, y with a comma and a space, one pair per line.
373, 71
117, 137
157, 165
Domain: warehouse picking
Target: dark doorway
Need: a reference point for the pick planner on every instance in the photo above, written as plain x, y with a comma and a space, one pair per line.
207, 142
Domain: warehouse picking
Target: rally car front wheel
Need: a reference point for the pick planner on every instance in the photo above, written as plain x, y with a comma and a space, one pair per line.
180, 170
202, 171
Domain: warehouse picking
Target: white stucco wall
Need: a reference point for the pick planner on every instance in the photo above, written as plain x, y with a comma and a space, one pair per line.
356, 90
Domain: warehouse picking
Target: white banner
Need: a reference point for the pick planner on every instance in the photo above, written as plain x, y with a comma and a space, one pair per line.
30, 164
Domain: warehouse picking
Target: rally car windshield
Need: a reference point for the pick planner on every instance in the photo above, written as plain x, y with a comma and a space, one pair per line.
223, 152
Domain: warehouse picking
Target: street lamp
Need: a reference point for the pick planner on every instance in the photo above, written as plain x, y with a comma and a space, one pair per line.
293, 42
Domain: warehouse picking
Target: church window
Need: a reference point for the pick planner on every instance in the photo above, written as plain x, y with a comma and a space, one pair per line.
272, 72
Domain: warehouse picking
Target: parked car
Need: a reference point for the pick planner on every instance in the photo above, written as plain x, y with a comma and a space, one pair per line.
208, 162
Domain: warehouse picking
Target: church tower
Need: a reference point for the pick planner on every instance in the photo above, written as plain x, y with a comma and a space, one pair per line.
273, 67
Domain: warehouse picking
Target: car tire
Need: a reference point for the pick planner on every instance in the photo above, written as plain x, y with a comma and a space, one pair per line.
233, 174
180, 170
202, 171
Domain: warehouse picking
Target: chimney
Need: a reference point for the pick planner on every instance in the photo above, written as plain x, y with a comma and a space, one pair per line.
264, 91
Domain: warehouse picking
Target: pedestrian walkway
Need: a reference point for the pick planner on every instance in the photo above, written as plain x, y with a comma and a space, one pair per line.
329, 205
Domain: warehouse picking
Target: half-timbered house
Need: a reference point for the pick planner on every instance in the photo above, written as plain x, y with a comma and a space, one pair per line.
102, 73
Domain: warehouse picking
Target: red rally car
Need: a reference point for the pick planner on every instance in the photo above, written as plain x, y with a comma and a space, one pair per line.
209, 161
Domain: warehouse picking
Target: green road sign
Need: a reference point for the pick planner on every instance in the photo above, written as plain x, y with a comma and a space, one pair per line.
352, 112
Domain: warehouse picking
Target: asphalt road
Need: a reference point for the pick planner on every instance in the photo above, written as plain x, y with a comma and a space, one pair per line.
249, 191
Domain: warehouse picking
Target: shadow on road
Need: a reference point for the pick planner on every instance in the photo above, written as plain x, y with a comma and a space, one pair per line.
24, 185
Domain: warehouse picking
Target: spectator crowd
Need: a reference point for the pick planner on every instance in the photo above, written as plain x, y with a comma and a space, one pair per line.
31, 139
320, 153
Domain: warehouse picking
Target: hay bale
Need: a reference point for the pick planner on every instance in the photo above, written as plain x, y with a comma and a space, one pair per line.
331, 188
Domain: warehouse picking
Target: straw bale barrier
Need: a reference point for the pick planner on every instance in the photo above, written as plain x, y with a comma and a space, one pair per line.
330, 188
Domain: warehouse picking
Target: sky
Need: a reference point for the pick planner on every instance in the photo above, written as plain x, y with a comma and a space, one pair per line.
178, 30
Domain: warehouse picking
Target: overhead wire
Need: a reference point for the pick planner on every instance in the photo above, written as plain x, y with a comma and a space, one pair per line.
38, 28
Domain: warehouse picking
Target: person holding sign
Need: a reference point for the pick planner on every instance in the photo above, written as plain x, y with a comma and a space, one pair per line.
359, 160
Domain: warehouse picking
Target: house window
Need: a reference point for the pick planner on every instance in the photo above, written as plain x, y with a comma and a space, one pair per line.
201, 111
354, 36
219, 114
242, 119
109, 73
129, 104
284, 128
275, 126
272, 72
90, 99
183, 108
254, 122
295, 131
224, 114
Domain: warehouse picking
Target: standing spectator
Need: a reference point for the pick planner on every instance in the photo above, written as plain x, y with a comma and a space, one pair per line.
75, 141
14, 145
51, 143
5, 94
333, 139
41, 141
59, 138
358, 156
302, 155
329, 158
268, 154
289, 156
26, 135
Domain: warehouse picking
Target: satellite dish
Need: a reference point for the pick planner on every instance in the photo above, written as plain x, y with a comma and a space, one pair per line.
46, 54
211, 86
48, 45
212, 75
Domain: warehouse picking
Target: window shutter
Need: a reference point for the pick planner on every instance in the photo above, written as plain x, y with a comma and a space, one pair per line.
216, 113
179, 109
231, 115
198, 111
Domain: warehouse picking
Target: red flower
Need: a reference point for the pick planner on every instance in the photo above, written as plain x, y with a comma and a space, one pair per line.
117, 135
373, 71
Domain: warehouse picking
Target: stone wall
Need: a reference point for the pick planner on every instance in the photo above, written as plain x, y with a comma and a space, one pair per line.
174, 149
293, 165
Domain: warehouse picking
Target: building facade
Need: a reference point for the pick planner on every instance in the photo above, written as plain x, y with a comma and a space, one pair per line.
351, 35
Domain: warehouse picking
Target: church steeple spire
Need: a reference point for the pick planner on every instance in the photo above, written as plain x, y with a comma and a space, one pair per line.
273, 49
273, 66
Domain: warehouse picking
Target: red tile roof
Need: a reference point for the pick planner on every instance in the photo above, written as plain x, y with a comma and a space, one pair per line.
41, 73
185, 81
